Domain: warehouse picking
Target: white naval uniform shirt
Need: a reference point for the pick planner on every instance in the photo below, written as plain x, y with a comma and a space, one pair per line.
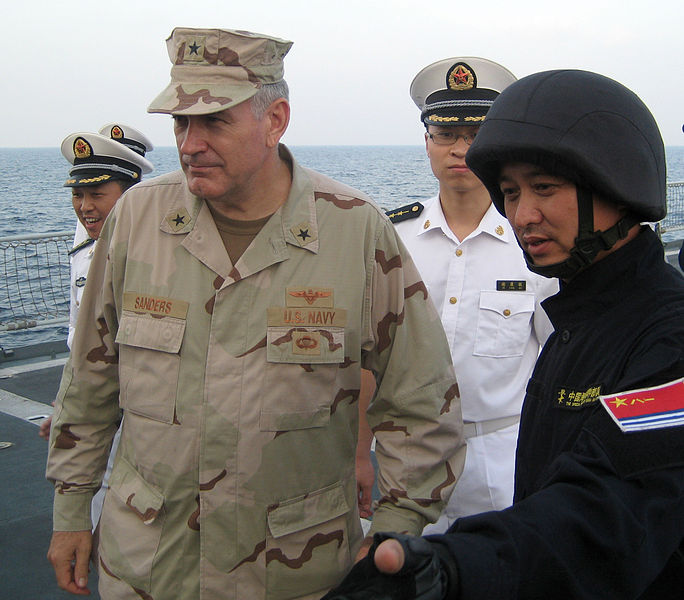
79, 264
495, 336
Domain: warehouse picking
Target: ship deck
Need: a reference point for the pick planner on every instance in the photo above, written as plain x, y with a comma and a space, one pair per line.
28, 385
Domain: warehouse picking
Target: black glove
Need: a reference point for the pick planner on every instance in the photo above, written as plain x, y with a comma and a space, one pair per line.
423, 577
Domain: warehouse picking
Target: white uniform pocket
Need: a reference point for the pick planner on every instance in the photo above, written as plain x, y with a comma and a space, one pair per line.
504, 323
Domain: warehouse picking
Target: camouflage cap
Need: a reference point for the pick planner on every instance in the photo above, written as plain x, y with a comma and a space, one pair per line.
459, 90
214, 69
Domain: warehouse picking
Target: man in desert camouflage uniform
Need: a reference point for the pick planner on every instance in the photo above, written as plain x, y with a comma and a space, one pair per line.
240, 298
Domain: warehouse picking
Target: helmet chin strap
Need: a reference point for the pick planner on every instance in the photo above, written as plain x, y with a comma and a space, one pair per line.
588, 242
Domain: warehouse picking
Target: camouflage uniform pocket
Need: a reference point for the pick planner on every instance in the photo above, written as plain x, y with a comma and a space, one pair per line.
296, 396
149, 361
130, 526
308, 546
302, 365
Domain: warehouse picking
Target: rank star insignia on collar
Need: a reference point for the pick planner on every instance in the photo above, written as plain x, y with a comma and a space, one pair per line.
305, 233
178, 219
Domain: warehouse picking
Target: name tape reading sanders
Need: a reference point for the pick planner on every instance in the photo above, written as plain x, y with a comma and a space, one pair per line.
155, 305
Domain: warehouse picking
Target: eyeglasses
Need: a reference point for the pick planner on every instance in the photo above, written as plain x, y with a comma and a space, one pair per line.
447, 138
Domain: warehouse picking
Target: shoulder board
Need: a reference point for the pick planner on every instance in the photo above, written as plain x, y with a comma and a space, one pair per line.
83, 244
647, 408
410, 211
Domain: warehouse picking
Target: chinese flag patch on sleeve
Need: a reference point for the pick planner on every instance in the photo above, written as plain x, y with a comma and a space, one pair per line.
649, 408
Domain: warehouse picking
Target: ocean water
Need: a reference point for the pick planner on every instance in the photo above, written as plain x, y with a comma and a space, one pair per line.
33, 199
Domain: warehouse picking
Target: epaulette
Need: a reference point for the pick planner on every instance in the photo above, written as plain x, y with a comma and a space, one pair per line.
410, 211
83, 244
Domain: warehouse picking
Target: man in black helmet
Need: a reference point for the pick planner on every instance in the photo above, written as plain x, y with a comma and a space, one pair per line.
576, 163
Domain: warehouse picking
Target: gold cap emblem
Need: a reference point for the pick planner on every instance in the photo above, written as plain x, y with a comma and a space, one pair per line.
460, 77
82, 149
117, 133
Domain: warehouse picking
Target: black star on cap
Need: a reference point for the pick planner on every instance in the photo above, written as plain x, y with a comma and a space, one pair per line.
194, 48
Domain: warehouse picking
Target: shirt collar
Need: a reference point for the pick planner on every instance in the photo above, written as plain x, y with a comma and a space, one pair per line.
295, 222
496, 225
492, 223
299, 219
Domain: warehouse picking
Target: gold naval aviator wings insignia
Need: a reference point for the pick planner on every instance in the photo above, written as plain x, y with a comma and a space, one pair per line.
310, 295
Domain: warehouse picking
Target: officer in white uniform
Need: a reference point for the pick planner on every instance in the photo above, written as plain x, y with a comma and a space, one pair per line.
106, 165
477, 277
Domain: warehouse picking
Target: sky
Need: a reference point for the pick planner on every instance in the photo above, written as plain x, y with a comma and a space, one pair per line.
71, 66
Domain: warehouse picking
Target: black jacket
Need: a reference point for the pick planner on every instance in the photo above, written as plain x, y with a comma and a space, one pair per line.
598, 513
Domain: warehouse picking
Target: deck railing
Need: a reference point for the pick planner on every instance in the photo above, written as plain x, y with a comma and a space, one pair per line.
34, 290
672, 225
35, 280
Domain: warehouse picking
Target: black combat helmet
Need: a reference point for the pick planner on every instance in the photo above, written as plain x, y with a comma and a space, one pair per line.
585, 127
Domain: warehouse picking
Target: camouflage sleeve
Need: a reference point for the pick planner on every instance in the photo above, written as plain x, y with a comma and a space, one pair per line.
86, 413
416, 412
